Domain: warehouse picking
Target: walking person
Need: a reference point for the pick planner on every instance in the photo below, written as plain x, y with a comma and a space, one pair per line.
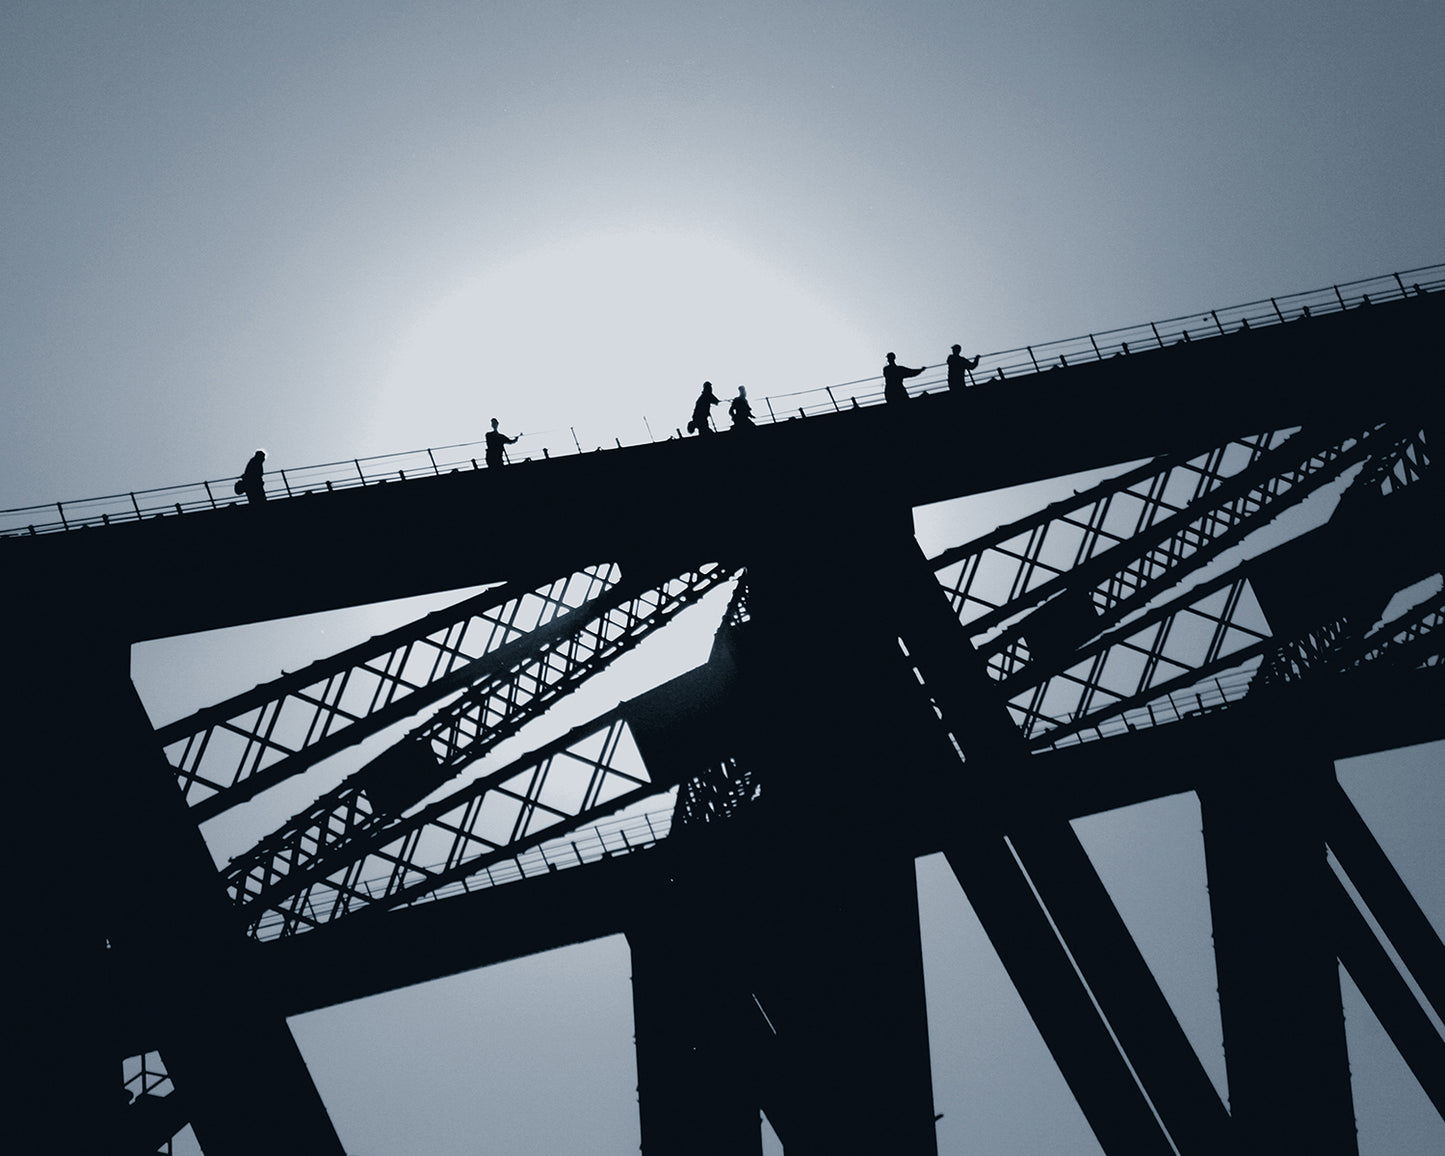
251, 482
701, 422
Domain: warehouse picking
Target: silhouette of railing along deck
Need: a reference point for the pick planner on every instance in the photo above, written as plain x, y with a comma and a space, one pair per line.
997, 367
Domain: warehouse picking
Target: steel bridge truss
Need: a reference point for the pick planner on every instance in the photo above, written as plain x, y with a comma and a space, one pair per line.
1068, 578
530, 674
1080, 619
233, 750
587, 775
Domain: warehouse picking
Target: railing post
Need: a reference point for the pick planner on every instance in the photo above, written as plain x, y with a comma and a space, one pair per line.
61, 507
1032, 358
135, 505
1217, 325
1277, 312
285, 483
828, 389
356, 462
210, 496
1157, 338
1338, 296
1095, 344
434, 469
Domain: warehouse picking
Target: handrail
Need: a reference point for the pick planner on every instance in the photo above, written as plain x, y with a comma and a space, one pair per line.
619, 835
1002, 365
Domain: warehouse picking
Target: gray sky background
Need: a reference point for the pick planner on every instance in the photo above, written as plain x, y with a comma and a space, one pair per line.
339, 230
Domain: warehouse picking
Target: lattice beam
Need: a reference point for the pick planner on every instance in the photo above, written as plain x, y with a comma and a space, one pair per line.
536, 673
579, 779
230, 752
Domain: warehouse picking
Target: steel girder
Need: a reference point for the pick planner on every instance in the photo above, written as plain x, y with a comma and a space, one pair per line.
235, 749
536, 673
1217, 626
589, 773
1124, 539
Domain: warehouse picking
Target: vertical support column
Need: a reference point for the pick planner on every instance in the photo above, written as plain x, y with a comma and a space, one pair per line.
64, 1087
697, 1034
832, 726
1279, 983
842, 983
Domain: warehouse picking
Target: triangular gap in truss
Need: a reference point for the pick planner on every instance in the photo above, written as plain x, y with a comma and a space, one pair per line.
772, 1146
940, 525
682, 644
180, 675
973, 1012
1406, 599
1150, 858
1392, 1112
1401, 797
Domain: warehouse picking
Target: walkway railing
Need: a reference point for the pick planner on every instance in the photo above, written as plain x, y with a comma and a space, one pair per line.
620, 835
1001, 366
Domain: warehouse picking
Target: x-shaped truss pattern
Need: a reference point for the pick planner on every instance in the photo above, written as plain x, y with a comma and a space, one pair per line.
237, 748
1217, 627
590, 773
1120, 581
1411, 641
999, 575
1057, 691
536, 673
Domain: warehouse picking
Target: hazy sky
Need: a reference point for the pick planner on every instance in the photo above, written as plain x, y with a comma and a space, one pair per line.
337, 230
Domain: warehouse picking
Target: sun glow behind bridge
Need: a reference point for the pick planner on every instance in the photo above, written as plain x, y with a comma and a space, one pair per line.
603, 332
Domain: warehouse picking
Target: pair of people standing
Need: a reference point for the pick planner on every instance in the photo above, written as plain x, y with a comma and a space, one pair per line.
894, 375
740, 410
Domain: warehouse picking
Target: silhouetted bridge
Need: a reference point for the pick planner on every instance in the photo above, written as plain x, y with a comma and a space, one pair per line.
1183, 625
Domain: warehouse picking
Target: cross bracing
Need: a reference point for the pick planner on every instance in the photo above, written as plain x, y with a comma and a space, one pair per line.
820, 717
537, 672
1063, 670
587, 775
237, 748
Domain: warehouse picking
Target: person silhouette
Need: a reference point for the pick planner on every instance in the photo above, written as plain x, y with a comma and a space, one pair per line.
740, 410
701, 422
893, 377
251, 483
958, 367
497, 443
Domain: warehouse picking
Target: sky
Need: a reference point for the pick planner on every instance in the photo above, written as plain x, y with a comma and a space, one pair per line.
343, 230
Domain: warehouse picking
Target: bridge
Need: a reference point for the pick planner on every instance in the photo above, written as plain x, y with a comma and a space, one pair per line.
1181, 622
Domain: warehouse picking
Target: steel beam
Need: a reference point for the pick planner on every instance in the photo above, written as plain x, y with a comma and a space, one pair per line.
1055, 996
1125, 989
1279, 985
1386, 895
1389, 997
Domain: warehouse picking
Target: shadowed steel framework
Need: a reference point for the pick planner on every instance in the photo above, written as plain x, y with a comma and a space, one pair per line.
1175, 625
